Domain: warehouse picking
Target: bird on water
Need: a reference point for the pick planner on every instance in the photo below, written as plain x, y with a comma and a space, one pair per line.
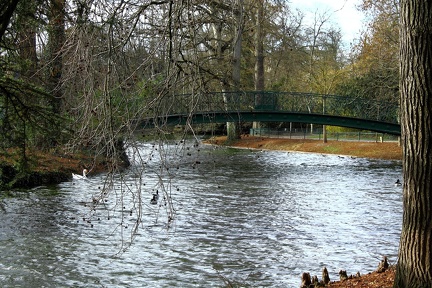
154, 200
79, 177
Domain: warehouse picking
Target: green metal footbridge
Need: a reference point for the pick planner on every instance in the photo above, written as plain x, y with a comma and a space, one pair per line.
265, 106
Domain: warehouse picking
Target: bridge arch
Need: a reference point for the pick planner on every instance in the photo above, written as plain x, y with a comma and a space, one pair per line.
267, 116
268, 106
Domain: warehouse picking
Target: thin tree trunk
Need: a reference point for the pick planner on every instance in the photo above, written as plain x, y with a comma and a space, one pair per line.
6, 12
56, 34
54, 62
233, 129
414, 268
259, 56
237, 45
27, 40
259, 47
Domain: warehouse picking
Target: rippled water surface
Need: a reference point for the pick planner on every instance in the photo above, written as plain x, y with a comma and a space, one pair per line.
260, 218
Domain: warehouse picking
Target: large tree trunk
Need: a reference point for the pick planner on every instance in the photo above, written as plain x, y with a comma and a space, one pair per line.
414, 268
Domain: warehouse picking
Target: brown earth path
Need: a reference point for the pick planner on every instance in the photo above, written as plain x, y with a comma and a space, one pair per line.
376, 150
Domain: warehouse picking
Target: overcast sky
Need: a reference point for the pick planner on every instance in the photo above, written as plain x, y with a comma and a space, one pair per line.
345, 15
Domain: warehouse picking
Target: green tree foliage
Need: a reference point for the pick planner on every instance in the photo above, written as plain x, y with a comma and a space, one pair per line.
26, 118
374, 71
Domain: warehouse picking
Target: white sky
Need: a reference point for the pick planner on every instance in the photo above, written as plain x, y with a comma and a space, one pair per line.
345, 15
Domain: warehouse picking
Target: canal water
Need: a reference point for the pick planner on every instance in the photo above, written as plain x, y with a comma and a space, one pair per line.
255, 218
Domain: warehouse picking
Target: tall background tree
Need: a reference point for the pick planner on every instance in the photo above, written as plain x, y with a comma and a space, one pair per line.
414, 267
373, 67
26, 118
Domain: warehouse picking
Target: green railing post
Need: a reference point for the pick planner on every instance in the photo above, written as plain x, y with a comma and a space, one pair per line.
324, 126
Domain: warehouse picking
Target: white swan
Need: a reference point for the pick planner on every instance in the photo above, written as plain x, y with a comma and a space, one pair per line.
78, 177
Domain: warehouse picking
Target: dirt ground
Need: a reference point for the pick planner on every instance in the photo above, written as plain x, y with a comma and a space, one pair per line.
371, 280
377, 150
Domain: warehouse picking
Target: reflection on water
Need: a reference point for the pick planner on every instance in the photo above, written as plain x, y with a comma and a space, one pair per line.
256, 217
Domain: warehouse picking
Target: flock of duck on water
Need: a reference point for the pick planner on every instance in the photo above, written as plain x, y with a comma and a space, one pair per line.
153, 201
155, 196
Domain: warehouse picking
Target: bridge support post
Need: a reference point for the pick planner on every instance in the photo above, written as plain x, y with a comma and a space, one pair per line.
324, 134
324, 126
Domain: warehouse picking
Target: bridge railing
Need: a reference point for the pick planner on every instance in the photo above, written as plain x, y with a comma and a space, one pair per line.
311, 103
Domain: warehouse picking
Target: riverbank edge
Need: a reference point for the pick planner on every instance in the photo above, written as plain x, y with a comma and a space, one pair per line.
372, 150
49, 168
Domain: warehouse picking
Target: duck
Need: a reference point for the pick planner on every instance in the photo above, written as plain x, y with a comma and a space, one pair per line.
398, 183
154, 200
156, 195
80, 177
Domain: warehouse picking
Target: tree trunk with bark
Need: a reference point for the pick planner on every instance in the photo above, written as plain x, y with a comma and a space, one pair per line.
56, 35
414, 268
259, 47
259, 56
27, 41
54, 63
233, 128
7, 8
